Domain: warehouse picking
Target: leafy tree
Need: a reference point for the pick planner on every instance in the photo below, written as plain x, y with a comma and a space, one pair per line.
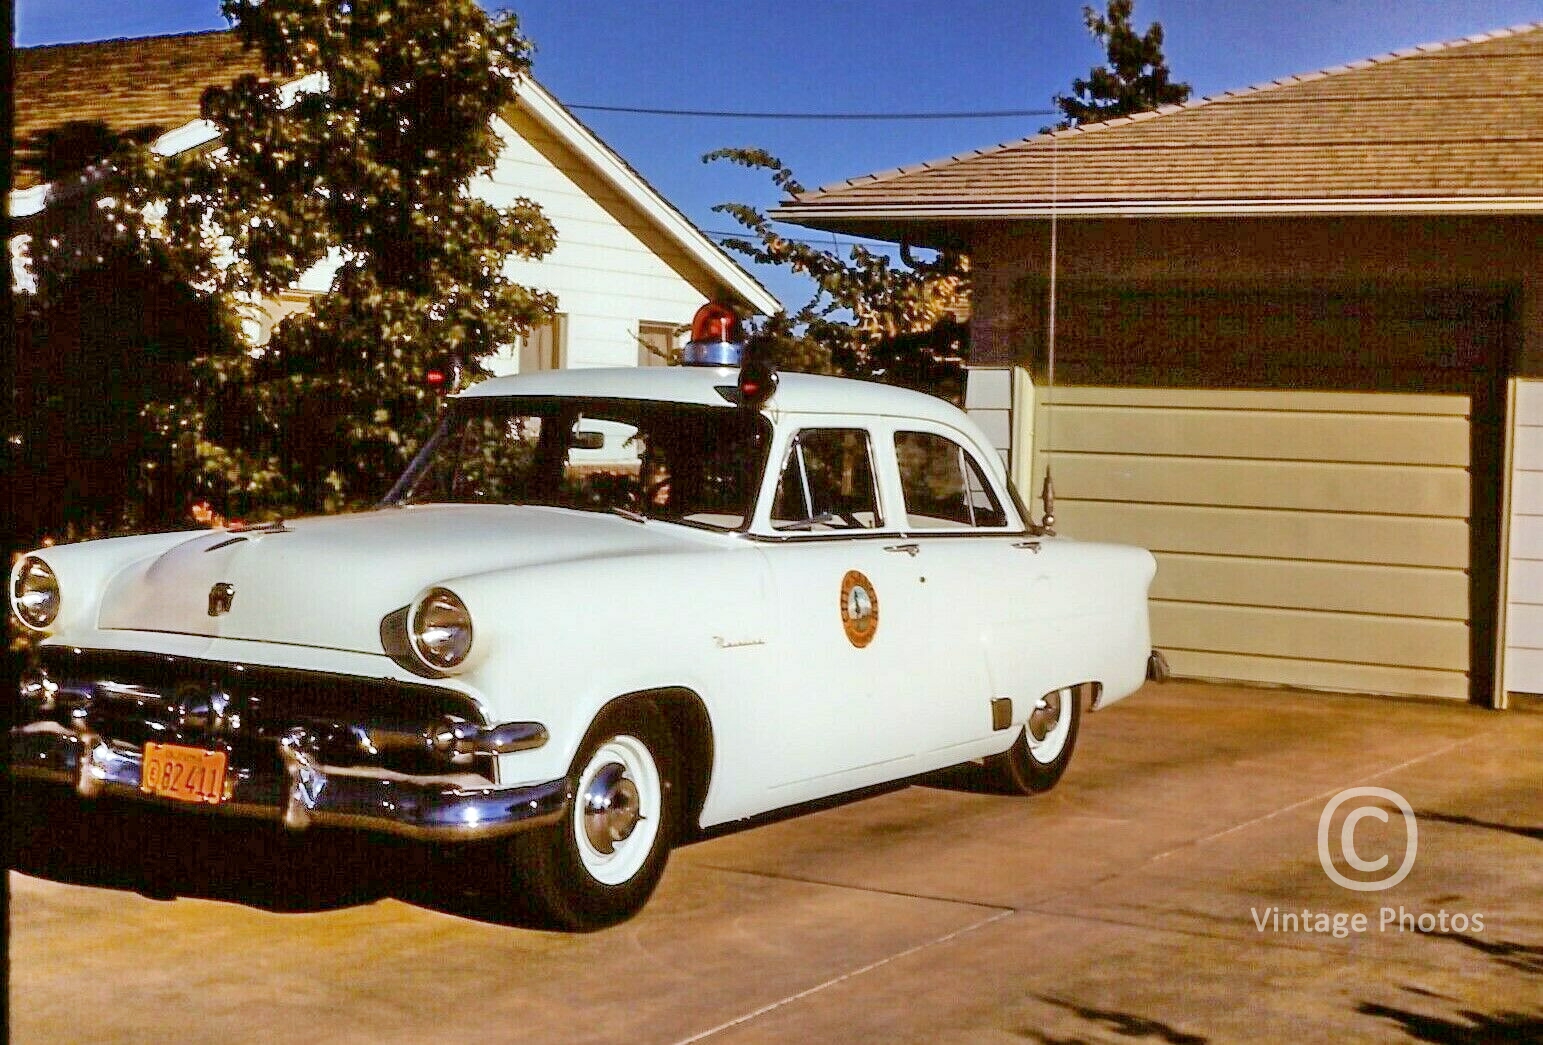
867, 318
99, 327
83, 458
369, 165
1136, 78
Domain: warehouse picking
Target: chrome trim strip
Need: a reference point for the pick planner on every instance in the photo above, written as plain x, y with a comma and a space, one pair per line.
864, 534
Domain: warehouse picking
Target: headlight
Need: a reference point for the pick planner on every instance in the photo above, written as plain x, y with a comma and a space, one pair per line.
440, 629
35, 593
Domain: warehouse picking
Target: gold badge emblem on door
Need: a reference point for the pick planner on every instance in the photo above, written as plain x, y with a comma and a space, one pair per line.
859, 608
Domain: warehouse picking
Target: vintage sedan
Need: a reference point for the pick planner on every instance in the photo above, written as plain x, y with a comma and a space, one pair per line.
602, 609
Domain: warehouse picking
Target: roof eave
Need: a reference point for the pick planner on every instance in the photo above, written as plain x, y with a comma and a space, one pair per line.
822, 216
548, 111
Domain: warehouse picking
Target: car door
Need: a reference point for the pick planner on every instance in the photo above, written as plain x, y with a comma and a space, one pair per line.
978, 569
852, 618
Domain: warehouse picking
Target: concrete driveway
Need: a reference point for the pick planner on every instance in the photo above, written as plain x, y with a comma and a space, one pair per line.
1157, 895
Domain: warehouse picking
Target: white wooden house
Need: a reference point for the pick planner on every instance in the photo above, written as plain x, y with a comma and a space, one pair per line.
628, 270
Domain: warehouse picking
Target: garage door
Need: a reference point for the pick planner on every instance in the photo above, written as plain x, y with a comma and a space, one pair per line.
1302, 465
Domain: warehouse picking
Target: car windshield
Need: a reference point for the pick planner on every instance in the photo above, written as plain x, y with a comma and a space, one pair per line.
697, 465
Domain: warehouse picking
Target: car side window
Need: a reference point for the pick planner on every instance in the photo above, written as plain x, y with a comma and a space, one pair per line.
943, 485
827, 483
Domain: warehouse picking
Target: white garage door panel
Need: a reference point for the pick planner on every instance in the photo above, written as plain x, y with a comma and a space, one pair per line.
1295, 584
1307, 674
1524, 667
1524, 624
1529, 448
1304, 485
1526, 538
1228, 532
1262, 401
1527, 626
1526, 581
1280, 435
1527, 491
1305, 635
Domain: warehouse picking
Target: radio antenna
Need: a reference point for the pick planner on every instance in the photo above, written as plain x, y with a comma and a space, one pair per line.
1047, 491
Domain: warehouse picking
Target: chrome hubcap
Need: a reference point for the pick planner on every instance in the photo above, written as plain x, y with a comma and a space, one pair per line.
612, 808
618, 812
1044, 717
1050, 725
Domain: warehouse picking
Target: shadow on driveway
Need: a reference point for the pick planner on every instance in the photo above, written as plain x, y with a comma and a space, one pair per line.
164, 855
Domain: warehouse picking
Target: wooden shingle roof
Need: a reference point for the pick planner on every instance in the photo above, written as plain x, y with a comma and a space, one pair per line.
141, 87
1446, 126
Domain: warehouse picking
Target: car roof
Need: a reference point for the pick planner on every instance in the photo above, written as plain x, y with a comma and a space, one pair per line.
796, 393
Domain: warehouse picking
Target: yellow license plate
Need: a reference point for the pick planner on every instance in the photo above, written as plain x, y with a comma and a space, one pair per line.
187, 774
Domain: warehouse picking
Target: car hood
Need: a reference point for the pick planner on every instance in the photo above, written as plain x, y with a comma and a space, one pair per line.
328, 581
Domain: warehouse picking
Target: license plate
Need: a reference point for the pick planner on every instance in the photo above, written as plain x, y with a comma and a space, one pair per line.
187, 774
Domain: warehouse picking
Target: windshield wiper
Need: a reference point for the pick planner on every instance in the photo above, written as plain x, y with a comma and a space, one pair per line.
823, 519
628, 513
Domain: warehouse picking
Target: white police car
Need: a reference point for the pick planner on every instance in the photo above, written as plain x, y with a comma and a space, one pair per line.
601, 609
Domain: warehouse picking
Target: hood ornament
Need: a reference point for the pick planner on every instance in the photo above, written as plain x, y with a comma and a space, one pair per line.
221, 597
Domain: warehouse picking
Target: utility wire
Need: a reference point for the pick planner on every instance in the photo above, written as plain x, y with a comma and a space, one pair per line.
979, 115
793, 239
869, 244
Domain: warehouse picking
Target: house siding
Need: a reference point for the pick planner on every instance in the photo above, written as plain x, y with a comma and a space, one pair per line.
1524, 642
610, 268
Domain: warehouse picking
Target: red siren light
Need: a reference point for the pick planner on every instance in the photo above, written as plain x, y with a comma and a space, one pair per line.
715, 322
716, 337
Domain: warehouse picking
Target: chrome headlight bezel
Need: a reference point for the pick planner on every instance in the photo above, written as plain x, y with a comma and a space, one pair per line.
35, 595
439, 630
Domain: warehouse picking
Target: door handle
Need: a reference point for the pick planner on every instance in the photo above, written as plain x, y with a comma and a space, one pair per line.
1032, 546
909, 549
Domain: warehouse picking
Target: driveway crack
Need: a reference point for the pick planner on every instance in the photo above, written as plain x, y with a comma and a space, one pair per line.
754, 1014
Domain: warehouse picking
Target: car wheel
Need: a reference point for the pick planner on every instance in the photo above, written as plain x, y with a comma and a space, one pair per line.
1040, 755
600, 863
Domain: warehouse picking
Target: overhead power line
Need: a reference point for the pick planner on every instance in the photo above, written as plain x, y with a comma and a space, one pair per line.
869, 243
990, 114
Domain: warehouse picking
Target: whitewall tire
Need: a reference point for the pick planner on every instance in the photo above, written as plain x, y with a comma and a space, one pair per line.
1043, 749
600, 863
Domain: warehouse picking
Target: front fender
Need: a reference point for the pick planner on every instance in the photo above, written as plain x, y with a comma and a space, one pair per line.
85, 570
563, 640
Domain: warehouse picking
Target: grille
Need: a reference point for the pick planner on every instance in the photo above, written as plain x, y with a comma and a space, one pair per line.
134, 697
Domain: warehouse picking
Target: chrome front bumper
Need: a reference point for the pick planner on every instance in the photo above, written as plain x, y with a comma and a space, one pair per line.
462, 807
301, 747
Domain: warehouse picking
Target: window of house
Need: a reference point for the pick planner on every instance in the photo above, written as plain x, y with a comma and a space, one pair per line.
943, 485
827, 482
656, 343
546, 346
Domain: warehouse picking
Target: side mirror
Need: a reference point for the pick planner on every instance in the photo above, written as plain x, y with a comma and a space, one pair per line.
583, 440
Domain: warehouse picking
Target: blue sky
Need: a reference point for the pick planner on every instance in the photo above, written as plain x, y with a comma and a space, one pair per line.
858, 56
